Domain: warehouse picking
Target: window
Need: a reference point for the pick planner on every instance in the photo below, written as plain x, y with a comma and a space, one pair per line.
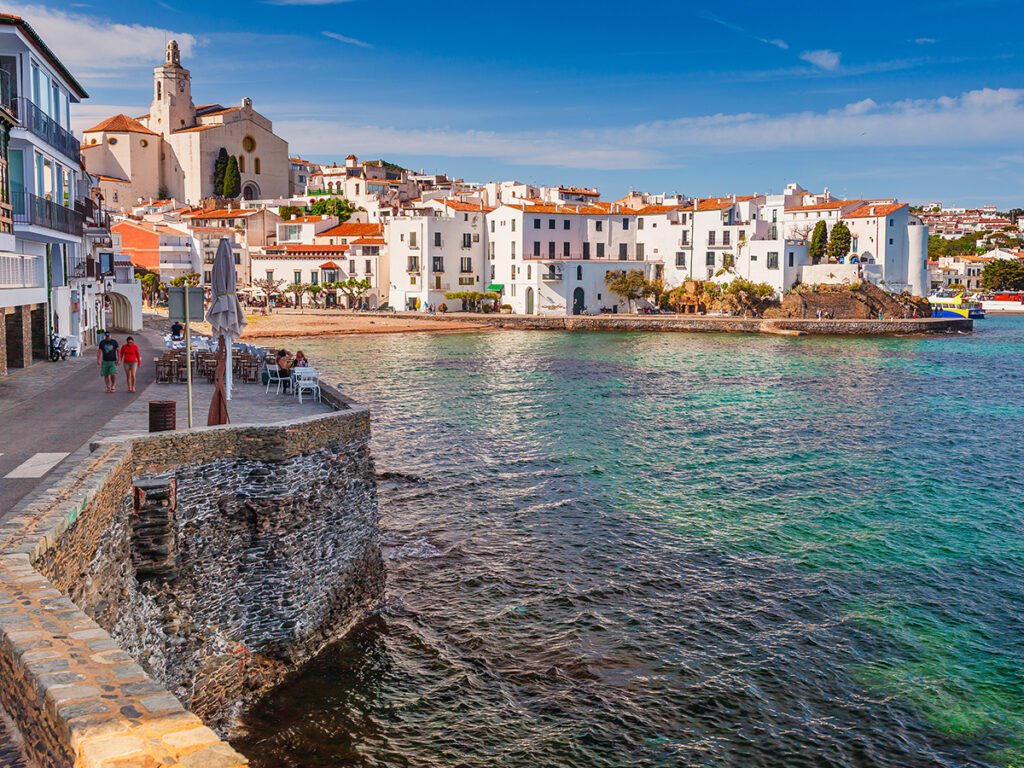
680, 259
709, 259
551, 223
639, 251
512, 271
625, 223
600, 250
743, 235
622, 251
565, 250
639, 223
314, 277
536, 247
529, 271
412, 239
467, 239
492, 225
270, 275
112, 140
551, 250
241, 163
775, 232
586, 249
513, 222
413, 264
579, 272
476, 237
438, 264
753, 258
256, 165
248, 144
466, 264
725, 237
685, 239
437, 239
598, 225
143, 143
890, 241
368, 267
565, 224
465, 217
773, 259
791, 258
298, 276
891, 222
853, 244
437, 282
536, 224
490, 250
492, 273
711, 238
512, 289
513, 249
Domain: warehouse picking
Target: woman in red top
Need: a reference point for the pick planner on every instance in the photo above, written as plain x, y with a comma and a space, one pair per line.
130, 359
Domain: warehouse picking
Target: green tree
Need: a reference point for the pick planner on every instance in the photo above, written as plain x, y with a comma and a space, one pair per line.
628, 284
335, 206
286, 211
191, 280
656, 292
1003, 275
839, 241
353, 288
232, 179
150, 285
314, 294
297, 289
819, 242
220, 166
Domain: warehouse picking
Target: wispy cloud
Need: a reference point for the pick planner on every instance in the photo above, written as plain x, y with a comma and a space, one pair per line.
975, 119
746, 32
109, 46
823, 59
306, 2
924, 40
347, 40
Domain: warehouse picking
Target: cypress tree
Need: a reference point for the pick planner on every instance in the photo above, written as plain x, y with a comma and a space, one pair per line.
232, 179
839, 242
219, 168
819, 240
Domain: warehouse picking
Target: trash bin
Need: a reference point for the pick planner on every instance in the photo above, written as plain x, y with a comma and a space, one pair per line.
162, 415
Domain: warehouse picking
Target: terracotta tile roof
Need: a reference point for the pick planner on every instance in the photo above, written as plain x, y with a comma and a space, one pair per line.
579, 191
718, 203
121, 124
353, 229
459, 205
221, 213
869, 210
329, 265
829, 206
304, 249
109, 178
304, 220
369, 241
654, 209
572, 209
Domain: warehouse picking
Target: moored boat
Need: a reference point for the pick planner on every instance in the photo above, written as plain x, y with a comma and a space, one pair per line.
953, 304
1003, 301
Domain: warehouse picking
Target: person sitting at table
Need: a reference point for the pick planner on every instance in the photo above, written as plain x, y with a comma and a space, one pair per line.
284, 361
177, 331
300, 360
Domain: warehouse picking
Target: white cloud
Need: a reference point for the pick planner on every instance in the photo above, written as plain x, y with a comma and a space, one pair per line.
924, 40
89, 44
348, 40
824, 59
987, 117
746, 32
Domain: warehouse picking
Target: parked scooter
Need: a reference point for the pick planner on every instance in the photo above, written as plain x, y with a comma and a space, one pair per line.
58, 347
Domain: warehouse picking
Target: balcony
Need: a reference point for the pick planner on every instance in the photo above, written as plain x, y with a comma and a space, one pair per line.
32, 209
34, 120
551, 275
6, 93
413, 265
20, 271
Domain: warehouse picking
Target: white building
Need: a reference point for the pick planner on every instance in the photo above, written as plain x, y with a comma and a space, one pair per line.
434, 252
888, 235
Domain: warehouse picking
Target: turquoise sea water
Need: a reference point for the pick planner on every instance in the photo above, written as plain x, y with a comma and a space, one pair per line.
674, 549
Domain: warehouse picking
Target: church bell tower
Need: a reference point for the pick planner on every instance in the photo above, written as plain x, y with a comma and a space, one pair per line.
172, 107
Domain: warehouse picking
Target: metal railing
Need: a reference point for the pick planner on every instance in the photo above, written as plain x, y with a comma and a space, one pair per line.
32, 209
6, 91
34, 120
20, 271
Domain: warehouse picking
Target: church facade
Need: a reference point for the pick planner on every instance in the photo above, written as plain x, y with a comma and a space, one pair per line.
171, 152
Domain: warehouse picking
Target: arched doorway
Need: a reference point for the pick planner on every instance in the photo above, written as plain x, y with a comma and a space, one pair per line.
577, 301
250, 191
529, 301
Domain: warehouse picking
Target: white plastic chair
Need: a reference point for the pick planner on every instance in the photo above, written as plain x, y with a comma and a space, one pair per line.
306, 380
274, 376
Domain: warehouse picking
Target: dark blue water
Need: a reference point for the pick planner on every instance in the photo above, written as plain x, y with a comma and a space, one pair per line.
675, 550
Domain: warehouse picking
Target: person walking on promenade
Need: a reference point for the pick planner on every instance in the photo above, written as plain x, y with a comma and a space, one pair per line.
130, 359
106, 359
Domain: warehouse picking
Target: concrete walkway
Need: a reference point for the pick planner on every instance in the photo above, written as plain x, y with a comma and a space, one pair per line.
50, 410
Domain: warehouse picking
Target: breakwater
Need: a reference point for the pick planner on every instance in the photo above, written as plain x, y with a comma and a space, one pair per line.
170, 579
709, 324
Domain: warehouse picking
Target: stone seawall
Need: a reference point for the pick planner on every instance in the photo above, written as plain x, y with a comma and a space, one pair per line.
709, 324
183, 568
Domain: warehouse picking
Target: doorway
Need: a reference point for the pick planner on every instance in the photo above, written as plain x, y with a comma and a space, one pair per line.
577, 302
529, 301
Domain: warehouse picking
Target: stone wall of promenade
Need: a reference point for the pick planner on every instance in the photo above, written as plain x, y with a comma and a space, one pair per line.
708, 324
176, 576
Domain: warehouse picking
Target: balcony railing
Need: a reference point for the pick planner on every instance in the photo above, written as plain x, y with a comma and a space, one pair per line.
32, 209
6, 92
20, 271
34, 120
553, 275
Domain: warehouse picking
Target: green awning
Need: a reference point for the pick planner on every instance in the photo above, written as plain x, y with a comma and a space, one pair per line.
498, 287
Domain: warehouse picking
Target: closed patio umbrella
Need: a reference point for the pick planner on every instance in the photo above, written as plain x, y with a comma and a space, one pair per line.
225, 313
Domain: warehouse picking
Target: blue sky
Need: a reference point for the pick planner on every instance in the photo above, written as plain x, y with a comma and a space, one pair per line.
923, 101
